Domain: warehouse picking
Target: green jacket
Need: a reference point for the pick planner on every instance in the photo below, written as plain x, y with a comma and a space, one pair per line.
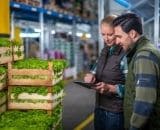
143, 60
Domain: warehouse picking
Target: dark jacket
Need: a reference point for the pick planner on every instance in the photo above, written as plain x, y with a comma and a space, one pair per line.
108, 71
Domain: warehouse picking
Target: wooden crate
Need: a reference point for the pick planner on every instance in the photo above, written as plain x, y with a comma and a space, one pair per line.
50, 101
15, 56
46, 77
45, 81
4, 58
2, 85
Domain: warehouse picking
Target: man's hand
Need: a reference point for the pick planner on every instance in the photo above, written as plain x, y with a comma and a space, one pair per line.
89, 78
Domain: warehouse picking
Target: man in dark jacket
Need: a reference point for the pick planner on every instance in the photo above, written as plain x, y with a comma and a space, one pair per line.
142, 91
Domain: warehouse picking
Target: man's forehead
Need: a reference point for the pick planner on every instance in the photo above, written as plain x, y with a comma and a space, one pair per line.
119, 28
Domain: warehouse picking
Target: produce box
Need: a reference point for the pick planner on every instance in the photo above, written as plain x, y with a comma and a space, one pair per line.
3, 78
3, 99
21, 97
35, 101
35, 72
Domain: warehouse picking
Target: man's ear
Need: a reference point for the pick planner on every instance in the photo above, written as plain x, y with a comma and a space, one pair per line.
132, 34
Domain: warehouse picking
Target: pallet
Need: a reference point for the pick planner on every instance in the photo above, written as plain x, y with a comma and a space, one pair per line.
3, 57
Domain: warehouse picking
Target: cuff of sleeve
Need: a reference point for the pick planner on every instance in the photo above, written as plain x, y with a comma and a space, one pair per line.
118, 91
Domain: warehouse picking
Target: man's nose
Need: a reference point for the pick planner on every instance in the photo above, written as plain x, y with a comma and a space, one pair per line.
117, 42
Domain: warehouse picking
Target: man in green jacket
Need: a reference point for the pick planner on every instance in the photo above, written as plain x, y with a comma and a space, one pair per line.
142, 89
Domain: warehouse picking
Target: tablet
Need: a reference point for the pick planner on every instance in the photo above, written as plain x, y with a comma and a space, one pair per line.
86, 85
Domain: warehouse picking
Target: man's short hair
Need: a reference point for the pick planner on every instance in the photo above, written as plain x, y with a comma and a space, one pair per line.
129, 21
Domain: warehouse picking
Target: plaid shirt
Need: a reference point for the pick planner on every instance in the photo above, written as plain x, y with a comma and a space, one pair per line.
124, 68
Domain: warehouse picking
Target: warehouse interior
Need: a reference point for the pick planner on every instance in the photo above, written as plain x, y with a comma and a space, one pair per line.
66, 32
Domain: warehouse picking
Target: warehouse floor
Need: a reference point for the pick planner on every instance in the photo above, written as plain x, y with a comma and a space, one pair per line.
78, 105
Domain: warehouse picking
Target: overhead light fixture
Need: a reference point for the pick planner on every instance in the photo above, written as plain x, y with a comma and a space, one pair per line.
70, 33
78, 34
37, 30
29, 35
88, 35
53, 32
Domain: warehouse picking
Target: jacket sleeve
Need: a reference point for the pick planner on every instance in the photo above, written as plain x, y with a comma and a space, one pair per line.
145, 70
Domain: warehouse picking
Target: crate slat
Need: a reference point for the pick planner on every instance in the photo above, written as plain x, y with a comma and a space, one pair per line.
30, 72
35, 96
44, 106
29, 82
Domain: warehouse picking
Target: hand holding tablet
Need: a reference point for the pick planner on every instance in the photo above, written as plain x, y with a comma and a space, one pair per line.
86, 85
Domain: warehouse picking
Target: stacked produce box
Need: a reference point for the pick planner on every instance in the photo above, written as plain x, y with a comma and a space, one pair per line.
5, 57
37, 84
34, 90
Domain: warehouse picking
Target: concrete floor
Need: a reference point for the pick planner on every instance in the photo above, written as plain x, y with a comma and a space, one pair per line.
78, 104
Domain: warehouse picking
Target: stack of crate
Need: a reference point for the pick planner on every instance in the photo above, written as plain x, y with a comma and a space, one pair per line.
5, 57
42, 79
47, 82
14, 82
8, 53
